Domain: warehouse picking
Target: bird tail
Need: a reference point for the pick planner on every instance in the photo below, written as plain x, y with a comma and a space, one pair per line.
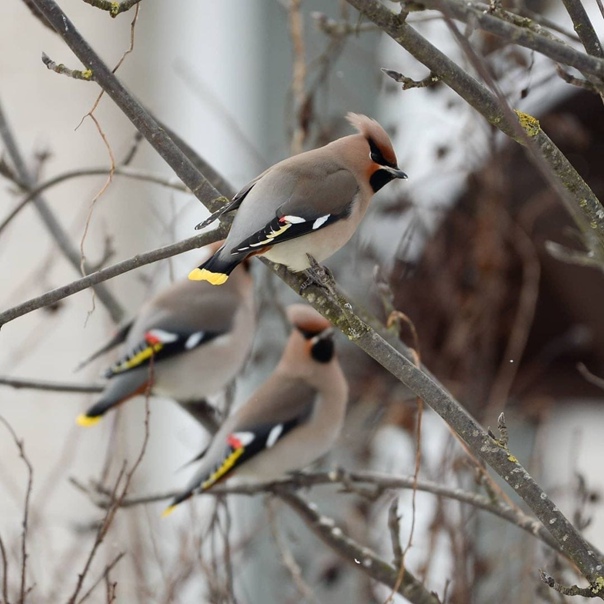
117, 392
216, 270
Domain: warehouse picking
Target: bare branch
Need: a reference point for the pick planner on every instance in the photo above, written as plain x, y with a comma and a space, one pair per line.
119, 492
364, 558
132, 173
52, 224
103, 576
584, 28
523, 35
111, 271
19, 383
25, 523
409, 83
350, 482
76, 74
579, 200
572, 590
4, 571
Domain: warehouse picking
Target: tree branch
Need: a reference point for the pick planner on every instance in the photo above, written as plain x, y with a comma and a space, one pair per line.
339, 310
52, 224
19, 383
377, 568
584, 28
555, 49
579, 200
109, 272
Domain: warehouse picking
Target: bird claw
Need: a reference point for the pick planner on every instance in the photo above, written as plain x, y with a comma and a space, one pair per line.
318, 275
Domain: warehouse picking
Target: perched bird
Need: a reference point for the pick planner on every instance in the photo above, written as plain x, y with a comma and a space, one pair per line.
188, 342
289, 421
310, 203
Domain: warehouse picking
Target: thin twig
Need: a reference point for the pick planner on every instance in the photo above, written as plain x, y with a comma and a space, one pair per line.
25, 524
571, 590
102, 498
50, 386
111, 271
287, 558
132, 173
52, 224
103, 576
117, 498
76, 74
4, 571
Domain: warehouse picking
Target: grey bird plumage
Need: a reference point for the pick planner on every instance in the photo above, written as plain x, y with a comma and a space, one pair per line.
186, 343
310, 203
289, 421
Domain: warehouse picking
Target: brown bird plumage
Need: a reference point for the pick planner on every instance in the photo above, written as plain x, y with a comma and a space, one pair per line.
291, 420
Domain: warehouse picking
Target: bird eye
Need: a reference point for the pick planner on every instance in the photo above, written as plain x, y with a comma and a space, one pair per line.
307, 333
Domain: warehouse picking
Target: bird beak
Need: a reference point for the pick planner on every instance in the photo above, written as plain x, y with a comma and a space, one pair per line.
396, 173
326, 334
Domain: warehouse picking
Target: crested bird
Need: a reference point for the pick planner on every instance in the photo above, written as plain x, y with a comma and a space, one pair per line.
309, 204
290, 420
187, 342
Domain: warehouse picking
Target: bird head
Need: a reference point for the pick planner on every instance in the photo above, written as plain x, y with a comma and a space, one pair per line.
316, 331
382, 166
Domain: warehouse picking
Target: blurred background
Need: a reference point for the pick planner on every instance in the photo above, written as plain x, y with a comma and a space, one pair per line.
459, 248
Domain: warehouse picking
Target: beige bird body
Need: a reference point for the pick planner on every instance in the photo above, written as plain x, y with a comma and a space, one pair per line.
291, 420
186, 343
310, 203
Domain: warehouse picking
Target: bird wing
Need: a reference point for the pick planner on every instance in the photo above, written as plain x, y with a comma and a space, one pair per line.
315, 202
185, 317
232, 205
257, 428
157, 345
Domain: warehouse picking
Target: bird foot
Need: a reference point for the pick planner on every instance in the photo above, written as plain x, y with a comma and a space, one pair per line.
318, 275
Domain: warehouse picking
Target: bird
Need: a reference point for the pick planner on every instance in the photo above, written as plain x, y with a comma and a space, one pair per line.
187, 342
290, 420
308, 204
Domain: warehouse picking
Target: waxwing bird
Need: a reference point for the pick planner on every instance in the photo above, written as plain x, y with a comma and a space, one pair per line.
188, 342
290, 421
311, 203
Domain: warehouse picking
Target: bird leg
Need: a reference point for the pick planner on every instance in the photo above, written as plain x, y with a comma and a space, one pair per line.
318, 275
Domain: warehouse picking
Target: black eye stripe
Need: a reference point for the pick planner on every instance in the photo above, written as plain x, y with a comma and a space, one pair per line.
376, 155
307, 333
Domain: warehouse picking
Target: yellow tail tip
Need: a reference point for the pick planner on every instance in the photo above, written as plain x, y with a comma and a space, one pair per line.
168, 511
86, 421
202, 274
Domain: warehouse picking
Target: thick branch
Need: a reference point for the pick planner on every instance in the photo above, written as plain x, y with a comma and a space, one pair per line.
340, 311
377, 568
584, 28
344, 479
579, 200
134, 111
556, 50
